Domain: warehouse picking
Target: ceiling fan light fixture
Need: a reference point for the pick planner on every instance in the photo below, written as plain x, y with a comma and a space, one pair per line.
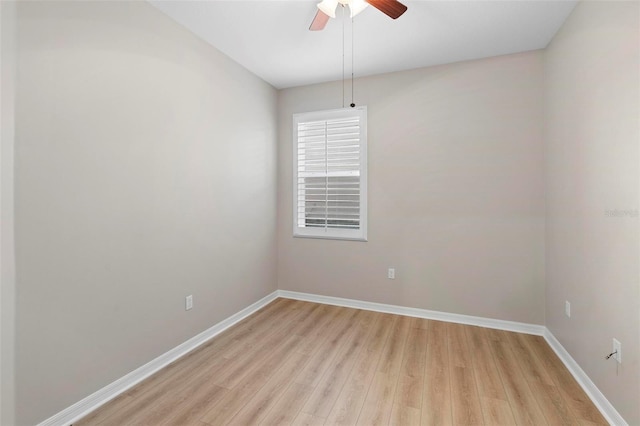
328, 7
357, 6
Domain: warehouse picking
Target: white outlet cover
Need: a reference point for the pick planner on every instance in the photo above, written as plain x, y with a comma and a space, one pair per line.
567, 309
188, 302
617, 347
391, 274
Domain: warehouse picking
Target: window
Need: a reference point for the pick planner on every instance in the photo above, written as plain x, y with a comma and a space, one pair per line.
330, 174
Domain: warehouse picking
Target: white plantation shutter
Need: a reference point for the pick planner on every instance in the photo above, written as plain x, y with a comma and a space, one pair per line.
330, 170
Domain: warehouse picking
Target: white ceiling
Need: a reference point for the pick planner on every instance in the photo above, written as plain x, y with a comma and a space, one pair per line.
271, 38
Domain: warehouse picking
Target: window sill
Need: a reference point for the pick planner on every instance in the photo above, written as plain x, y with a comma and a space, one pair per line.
331, 237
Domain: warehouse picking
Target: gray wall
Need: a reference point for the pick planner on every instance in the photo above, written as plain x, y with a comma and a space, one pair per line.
456, 192
145, 171
7, 259
592, 96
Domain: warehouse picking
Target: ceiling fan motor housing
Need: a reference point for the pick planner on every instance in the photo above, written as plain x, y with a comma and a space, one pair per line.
328, 7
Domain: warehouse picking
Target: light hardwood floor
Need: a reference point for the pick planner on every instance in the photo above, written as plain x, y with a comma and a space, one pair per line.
304, 363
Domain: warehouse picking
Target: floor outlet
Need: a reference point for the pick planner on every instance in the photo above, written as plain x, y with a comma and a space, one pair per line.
188, 302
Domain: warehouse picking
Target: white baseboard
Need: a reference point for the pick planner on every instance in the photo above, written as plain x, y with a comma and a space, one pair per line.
518, 327
107, 393
599, 400
104, 395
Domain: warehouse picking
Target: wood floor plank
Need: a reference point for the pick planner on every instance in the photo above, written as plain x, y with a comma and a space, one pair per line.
458, 347
378, 404
552, 404
489, 382
258, 333
146, 402
411, 381
172, 403
325, 394
420, 323
529, 363
436, 401
192, 410
349, 403
297, 362
403, 415
265, 341
493, 398
497, 412
339, 331
523, 403
267, 363
583, 422
393, 351
318, 330
495, 334
410, 386
324, 343
256, 408
304, 419
573, 395
285, 410
234, 400
248, 326
465, 401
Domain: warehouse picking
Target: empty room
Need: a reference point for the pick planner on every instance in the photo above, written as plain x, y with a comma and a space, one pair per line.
336, 212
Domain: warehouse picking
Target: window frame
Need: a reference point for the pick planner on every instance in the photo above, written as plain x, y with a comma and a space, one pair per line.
359, 234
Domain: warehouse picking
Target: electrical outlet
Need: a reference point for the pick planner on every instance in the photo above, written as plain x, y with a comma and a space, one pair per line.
188, 302
391, 274
567, 309
617, 348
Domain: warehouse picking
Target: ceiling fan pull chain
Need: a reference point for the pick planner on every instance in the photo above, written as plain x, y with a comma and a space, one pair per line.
342, 55
352, 69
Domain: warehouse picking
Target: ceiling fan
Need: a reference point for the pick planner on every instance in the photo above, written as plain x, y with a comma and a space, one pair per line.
327, 9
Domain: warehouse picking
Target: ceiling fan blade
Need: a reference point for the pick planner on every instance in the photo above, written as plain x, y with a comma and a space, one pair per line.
392, 8
319, 21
